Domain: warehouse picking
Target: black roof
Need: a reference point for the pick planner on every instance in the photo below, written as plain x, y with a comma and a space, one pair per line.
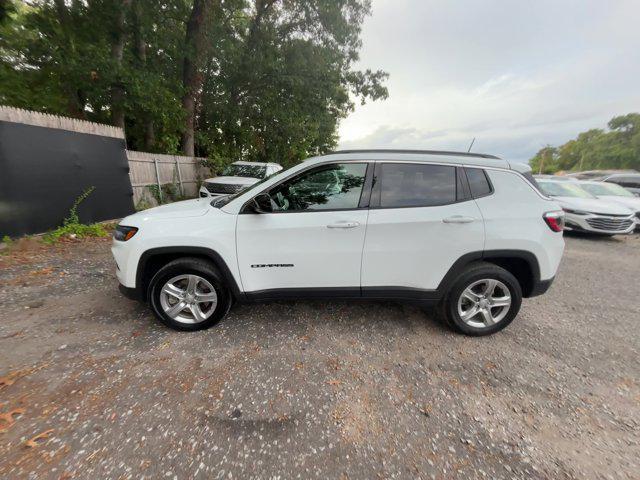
424, 152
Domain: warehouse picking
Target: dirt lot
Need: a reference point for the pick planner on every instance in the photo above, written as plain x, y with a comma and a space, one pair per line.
93, 387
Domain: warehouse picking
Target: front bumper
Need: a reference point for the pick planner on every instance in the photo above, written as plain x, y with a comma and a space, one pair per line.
600, 224
131, 293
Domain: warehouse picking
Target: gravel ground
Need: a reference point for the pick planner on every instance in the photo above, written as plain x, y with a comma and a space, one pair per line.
93, 387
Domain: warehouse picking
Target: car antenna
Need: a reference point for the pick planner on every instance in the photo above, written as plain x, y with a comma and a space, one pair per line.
474, 139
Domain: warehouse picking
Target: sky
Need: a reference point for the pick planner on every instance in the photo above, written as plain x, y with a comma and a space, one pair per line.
515, 74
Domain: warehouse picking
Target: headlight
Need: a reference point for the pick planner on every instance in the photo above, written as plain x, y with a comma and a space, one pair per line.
575, 212
123, 233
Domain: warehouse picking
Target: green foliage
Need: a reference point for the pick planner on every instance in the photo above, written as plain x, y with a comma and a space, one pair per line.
155, 192
143, 204
277, 76
8, 243
78, 230
596, 149
71, 225
73, 212
170, 193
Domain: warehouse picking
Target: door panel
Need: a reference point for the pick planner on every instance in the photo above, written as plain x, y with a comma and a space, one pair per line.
415, 247
300, 250
314, 235
422, 221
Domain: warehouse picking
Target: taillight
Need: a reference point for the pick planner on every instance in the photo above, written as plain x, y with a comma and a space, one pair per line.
555, 220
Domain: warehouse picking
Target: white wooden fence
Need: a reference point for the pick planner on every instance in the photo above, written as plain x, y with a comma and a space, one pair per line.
28, 117
155, 177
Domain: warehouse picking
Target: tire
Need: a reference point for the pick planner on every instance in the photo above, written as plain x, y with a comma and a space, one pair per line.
481, 276
197, 314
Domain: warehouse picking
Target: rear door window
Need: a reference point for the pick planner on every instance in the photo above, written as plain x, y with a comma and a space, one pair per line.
416, 185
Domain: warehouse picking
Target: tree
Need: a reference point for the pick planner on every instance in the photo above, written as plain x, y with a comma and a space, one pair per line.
615, 148
228, 79
192, 77
285, 80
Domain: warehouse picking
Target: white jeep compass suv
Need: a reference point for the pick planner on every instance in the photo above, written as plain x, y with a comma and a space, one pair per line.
469, 233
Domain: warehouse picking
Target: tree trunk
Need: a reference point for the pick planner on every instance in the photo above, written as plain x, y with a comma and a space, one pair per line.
191, 77
117, 50
75, 97
149, 135
140, 50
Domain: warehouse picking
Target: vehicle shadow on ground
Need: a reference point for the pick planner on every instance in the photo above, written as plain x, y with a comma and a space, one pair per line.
367, 313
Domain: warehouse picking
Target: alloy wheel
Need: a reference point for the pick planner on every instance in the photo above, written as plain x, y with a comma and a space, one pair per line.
484, 303
188, 298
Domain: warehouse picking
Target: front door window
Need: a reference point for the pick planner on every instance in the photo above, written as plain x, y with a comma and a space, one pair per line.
330, 187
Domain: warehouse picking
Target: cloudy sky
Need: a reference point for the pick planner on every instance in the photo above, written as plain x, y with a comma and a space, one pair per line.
515, 74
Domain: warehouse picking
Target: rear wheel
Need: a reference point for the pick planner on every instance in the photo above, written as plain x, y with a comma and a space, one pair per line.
483, 300
189, 294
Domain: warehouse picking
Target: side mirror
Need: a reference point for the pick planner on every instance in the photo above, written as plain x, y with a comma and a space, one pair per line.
262, 203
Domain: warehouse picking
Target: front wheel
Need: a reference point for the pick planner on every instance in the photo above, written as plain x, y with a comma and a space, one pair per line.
483, 300
189, 294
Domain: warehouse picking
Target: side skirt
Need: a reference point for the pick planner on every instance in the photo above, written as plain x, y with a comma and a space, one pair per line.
411, 295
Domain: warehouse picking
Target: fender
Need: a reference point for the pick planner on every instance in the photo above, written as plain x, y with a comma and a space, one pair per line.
458, 267
178, 251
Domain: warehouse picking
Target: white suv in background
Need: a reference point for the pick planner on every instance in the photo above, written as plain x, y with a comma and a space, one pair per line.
470, 233
237, 176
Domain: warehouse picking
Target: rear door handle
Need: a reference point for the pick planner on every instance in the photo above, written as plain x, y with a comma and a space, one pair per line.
458, 219
343, 225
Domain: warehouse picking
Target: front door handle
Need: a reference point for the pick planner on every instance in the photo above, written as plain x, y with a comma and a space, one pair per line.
458, 219
343, 225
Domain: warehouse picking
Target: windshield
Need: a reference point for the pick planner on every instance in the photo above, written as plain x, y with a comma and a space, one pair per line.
222, 201
563, 189
244, 170
603, 189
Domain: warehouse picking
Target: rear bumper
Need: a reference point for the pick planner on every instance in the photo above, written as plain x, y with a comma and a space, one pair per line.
540, 287
131, 293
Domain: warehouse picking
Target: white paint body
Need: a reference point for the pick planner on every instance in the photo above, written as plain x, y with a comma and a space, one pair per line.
394, 247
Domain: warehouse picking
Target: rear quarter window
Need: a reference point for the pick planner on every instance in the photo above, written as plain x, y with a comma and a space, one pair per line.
478, 182
511, 187
530, 178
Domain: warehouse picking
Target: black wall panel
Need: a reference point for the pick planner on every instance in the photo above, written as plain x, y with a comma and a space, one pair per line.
43, 171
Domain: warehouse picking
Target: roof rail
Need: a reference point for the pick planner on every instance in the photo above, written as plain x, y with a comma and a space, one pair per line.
425, 152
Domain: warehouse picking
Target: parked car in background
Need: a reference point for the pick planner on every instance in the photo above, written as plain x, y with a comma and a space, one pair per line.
615, 194
468, 233
236, 177
597, 174
557, 178
630, 181
585, 212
